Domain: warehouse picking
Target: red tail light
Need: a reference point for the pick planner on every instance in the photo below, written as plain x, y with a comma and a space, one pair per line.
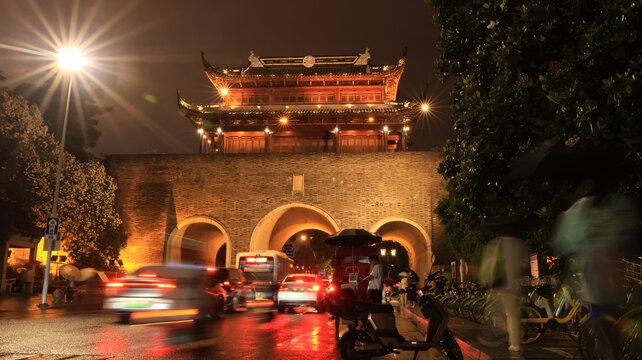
226, 282
113, 284
284, 288
147, 275
314, 288
330, 288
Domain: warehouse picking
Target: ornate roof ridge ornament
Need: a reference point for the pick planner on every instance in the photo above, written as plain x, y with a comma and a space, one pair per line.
254, 60
402, 61
206, 64
364, 58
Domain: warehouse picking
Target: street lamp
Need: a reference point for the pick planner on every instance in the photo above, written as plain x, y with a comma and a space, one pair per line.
69, 60
384, 252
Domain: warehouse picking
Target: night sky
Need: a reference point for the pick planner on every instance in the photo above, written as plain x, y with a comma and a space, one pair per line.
153, 47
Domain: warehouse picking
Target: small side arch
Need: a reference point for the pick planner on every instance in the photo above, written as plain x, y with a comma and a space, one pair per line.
175, 239
412, 236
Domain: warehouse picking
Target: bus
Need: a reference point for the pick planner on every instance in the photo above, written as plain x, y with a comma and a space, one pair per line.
268, 268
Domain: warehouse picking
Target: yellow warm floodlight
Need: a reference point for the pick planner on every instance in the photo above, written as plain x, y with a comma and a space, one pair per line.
71, 59
425, 107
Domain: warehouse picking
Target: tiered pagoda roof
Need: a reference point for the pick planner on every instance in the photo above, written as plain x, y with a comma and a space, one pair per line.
246, 103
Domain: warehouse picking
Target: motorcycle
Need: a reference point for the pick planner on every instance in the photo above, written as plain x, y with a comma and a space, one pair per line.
372, 329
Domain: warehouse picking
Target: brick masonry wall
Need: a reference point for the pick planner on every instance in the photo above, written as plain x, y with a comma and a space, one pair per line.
156, 192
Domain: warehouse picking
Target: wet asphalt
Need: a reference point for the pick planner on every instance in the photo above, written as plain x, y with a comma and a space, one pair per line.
92, 333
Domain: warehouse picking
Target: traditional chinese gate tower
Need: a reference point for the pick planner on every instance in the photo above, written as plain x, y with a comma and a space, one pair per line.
330, 123
304, 104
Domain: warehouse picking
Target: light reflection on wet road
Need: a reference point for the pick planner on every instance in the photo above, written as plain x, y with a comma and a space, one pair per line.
250, 335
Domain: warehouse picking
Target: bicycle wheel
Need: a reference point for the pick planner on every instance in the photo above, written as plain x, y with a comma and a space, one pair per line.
572, 328
496, 320
630, 332
530, 331
596, 340
478, 310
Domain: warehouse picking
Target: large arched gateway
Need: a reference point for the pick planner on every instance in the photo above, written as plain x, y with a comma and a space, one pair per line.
275, 228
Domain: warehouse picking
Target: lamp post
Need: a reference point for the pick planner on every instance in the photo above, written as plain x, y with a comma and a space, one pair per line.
200, 140
385, 253
69, 60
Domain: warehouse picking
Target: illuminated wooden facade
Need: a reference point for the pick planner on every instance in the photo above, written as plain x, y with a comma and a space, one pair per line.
304, 104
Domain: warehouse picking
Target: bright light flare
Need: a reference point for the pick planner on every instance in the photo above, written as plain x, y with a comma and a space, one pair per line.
224, 91
71, 59
425, 107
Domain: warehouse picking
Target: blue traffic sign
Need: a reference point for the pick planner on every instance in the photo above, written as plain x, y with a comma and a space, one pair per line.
52, 226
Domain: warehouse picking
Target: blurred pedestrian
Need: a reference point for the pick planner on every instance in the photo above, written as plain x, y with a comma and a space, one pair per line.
413, 285
403, 298
594, 233
505, 259
17, 285
375, 280
28, 278
69, 293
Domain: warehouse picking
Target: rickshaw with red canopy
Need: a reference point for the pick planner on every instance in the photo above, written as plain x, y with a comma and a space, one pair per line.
351, 264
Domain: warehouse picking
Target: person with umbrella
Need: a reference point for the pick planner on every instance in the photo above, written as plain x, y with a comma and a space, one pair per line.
375, 280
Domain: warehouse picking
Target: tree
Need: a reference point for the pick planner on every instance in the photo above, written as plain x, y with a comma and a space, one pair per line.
91, 227
82, 131
526, 72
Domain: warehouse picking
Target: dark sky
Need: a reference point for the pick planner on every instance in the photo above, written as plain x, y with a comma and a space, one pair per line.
153, 47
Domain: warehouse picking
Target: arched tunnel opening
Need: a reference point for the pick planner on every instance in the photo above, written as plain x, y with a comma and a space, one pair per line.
412, 238
394, 258
202, 244
308, 250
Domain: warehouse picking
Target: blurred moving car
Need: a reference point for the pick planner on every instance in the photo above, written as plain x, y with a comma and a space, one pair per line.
166, 292
301, 290
238, 288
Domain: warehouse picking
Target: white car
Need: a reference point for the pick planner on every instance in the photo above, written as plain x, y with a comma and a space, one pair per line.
300, 290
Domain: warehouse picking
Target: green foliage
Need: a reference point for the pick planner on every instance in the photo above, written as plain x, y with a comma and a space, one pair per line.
90, 226
82, 131
526, 72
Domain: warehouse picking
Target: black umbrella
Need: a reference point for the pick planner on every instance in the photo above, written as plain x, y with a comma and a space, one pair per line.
556, 161
513, 225
353, 237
